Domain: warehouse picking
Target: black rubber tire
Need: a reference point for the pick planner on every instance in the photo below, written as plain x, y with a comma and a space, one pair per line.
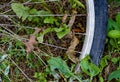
101, 15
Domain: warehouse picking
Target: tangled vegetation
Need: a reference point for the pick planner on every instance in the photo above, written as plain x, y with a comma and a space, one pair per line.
40, 41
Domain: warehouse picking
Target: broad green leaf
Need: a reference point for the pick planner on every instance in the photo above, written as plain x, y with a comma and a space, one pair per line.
50, 20
62, 31
58, 29
84, 66
40, 76
7, 70
24, 17
115, 74
112, 42
89, 68
109, 26
33, 11
74, 5
112, 25
115, 60
48, 30
40, 38
16, 8
114, 34
60, 65
104, 61
33, 19
3, 57
43, 12
20, 10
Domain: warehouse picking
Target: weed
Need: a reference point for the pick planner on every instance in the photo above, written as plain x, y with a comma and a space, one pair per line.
40, 65
114, 33
40, 76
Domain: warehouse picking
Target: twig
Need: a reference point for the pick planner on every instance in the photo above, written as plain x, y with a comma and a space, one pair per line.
39, 58
57, 47
7, 4
20, 69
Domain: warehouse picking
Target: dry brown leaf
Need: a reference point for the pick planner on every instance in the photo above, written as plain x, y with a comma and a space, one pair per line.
30, 44
29, 47
64, 18
72, 19
71, 50
32, 41
70, 24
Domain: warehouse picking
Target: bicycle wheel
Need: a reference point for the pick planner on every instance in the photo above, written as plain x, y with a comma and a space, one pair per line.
90, 43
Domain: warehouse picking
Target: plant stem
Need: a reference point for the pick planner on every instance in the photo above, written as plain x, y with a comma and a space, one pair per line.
91, 78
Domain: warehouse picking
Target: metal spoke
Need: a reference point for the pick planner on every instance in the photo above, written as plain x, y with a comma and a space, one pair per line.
10, 25
59, 47
44, 15
80, 33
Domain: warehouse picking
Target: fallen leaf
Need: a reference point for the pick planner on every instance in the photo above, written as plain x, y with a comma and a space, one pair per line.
70, 24
32, 41
72, 19
30, 44
64, 18
71, 50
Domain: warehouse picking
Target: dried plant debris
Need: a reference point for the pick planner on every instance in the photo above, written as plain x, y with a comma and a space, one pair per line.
72, 19
30, 44
70, 24
32, 41
71, 50
64, 18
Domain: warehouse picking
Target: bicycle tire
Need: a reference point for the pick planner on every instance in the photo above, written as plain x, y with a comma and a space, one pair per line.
98, 44
98, 26
96, 30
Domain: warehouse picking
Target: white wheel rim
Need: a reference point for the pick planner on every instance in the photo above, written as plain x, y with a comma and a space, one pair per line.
89, 29
89, 32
